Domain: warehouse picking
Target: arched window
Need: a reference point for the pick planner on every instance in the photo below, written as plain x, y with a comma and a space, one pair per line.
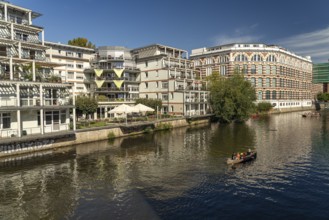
253, 69
256, 57
240, 58
268, 94
271, 58
260, 95
260, 69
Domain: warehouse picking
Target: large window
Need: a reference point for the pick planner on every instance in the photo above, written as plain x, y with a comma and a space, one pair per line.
245, 69
240, 58
256, 57
253, 81
253, 69
274, 82
5, 120
268, 94
260, 69
260, 82
260, 95
274, 95
268, 82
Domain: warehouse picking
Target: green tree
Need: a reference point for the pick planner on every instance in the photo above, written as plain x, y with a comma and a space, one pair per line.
322, 96
81, 42
264, 107
152, 103
232, 98
85, 105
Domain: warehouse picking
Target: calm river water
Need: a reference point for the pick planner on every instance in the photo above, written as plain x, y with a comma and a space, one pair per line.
179, 174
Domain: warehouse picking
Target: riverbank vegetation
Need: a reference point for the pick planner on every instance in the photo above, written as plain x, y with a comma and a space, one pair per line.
231, 98
263, 107
322, 96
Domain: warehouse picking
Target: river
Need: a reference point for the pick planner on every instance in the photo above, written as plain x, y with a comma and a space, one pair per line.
178, 174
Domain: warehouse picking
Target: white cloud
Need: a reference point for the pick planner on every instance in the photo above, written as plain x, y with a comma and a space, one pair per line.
240, 35
314, 44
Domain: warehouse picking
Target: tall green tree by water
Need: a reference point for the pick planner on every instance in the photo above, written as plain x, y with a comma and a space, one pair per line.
231, 98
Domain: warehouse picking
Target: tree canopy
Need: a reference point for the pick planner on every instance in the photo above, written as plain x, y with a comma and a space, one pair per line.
86, 105
81, 42
232, 98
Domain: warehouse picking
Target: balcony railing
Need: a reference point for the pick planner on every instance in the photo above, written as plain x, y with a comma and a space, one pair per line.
110, 89
26, 102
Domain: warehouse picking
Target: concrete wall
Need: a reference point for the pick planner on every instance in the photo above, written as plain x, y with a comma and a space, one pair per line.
91, 135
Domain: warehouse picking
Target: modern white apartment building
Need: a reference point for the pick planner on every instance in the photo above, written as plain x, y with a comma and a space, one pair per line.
279, 76
30, 100
74, 60
114, 78
168, 75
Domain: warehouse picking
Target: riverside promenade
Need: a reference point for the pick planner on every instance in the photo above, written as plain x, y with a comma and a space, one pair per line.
34, 143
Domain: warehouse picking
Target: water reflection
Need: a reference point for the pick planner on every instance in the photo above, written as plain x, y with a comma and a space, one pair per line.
172, 173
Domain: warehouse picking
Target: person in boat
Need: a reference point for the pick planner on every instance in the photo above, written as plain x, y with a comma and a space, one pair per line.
233, 156
237, 156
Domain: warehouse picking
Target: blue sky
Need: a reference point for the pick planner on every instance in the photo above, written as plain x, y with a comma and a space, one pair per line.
301, 26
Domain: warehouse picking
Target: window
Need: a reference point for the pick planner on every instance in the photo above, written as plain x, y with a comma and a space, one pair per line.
79, 66
274, 95
273, 69
165, 97
268, 82
223, 70
240, 58
157, 73
268, 94
146, 85
146, 64
165, 85
146, 74
260, 82
253, 69
259, 69
156, 84
69, 54
63, 117
172, 108
172, 95
274, 82
256, 57
253, 81
260, 95
70, 65
271, 58
21, 36
268, 69
79, 55
5, 120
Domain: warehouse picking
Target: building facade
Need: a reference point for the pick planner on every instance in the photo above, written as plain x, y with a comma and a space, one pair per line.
32, 99
74, 60
168, 75
279, 76
321, 76
114, 78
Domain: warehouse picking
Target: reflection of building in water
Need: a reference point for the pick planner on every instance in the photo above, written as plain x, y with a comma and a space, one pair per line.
40, 189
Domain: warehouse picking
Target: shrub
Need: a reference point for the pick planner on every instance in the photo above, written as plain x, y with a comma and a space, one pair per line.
111, 135
264, 107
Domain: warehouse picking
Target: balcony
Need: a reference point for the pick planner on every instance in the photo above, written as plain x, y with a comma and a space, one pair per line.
33, 102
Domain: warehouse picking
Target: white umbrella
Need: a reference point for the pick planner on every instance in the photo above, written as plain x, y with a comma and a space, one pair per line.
123, 109
143, 108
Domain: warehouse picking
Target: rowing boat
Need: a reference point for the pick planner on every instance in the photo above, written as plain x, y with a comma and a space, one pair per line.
249, 157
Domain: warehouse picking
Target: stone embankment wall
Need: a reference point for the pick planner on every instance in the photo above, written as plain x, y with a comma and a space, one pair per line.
92, 135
